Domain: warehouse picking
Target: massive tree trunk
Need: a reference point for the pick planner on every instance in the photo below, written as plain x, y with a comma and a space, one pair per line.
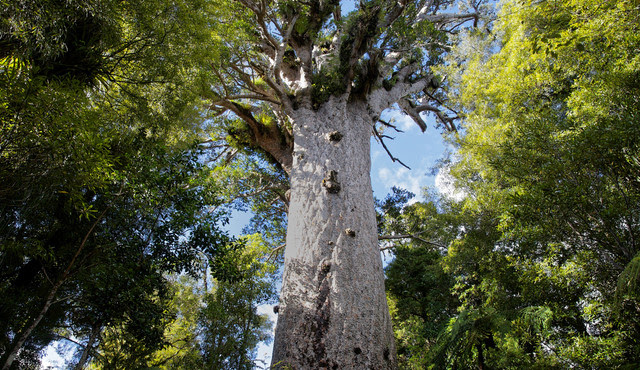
333, 310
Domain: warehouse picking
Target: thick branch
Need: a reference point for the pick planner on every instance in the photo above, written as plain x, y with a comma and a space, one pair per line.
381, 99
95, 333
275, 83
411, 110
359, 39
443, 18
393, 13
280, 50
260, 12
440, 114
270, 138
389, 62
254, 97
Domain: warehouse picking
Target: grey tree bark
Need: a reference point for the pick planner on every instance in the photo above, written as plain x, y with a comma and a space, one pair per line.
333, 311
88, 348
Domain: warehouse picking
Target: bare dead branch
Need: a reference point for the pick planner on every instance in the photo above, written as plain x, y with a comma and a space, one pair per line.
439, 101
381, 140
388, 124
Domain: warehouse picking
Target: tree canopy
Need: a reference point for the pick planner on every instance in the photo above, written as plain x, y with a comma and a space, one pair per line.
543, 258
304, 85
103, 191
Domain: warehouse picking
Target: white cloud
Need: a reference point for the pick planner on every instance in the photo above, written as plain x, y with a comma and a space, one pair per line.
403, 178
384, 174
52, 360
445, 184
375, 155
405, 123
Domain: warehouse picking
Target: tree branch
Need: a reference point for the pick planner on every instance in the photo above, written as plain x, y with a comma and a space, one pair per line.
409, 236
394, 13
381, 140
409, 108
281, 48
258, 97
443, 18
275, 250
381, 99
275, 84
440, 115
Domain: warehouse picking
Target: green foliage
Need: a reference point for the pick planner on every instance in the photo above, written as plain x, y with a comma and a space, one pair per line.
217, 327
544, 263
628, 288
60, 42
354, 65
100, 176
247, 182
420, 291
232, 327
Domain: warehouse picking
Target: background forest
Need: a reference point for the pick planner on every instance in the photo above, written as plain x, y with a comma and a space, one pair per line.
116, 182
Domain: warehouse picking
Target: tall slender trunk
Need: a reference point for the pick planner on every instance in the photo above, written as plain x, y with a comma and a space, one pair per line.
95, 331
24, 335
333, 309
480, 356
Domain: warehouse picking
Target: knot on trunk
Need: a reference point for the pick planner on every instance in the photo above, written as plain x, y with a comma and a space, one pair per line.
330, 182
326, 267
350, 232
335, 136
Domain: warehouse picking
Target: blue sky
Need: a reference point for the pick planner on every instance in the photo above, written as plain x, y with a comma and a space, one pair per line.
420, 151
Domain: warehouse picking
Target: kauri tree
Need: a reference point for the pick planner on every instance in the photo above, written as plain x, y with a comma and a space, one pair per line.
305, 84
